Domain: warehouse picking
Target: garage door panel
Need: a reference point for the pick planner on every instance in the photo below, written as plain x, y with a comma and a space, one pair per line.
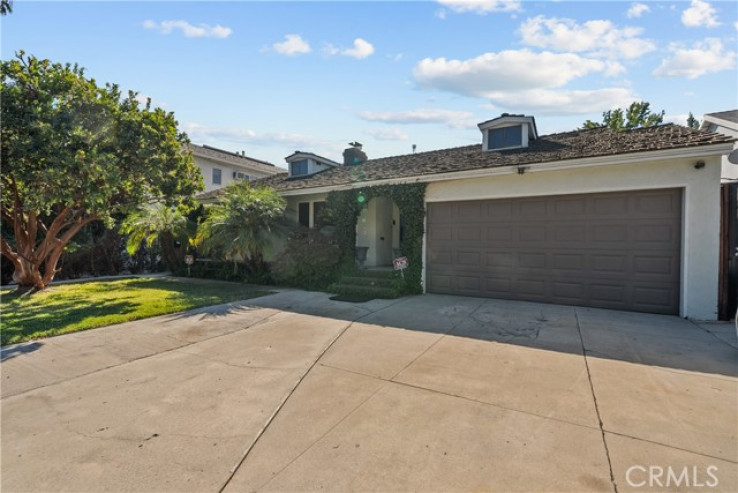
613, 250
609, 263
613, 206
655, 232
570, 290
499, 259
532, 208
440, 233
499, 210
497, 285
467, 259
499, 233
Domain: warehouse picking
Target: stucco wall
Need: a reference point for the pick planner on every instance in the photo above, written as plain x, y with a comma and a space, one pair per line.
700, 233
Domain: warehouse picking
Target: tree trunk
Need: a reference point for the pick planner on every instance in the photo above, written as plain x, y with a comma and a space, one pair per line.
27, 275
169, 251
28, 256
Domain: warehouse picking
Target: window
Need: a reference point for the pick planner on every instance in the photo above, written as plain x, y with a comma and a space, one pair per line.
501, 138
303, 214
299, 168
319, 216
237, 175
216, 176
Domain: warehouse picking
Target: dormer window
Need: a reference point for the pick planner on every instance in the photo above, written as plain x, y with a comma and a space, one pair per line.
304, 164
299, 168
508, 132
505, 137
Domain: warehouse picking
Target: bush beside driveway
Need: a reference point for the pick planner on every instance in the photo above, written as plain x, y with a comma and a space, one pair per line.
296, 392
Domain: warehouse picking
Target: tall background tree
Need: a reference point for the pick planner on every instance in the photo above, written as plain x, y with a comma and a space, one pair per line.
693, 122
74, 152
637, 115
6, 7
244, 226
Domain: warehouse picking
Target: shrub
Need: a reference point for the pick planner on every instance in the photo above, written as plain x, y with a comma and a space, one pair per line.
224, 271
309, 260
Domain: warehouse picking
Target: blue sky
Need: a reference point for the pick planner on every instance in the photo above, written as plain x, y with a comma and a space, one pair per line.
274, 77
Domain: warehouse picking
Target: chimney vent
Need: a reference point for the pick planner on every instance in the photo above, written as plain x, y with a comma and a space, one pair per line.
354, 155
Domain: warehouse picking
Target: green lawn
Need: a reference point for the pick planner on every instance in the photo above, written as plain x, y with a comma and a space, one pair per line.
72, 307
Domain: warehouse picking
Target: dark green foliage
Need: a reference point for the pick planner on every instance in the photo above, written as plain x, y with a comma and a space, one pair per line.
693, 122
95, 252
370, 284
345, 206
637, 115
309, 260
244, 226
167, 226
74, 152
223, 271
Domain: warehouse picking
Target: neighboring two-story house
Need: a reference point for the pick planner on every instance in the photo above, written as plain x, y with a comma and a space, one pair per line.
221, 168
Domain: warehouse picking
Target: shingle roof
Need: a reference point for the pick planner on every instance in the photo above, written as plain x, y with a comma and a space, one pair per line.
547, 148
207, 151
731, 116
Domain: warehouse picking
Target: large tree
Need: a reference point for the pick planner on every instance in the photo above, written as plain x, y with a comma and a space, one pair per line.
74, 152
637, 115
244, 225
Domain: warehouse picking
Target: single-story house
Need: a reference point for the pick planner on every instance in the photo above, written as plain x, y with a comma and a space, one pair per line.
624, 220
220, 168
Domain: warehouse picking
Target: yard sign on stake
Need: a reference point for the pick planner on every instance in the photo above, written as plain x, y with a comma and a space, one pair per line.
400, 263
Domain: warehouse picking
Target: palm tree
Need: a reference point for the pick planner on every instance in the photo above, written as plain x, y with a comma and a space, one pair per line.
6, 7
157, 222
244, 226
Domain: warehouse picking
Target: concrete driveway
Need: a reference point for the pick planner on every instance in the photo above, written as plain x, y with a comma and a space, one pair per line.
294, 392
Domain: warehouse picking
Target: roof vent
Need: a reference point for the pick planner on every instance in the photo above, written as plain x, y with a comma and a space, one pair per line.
354, 155
508, 131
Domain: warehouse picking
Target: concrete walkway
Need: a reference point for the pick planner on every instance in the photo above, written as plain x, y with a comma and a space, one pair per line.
294, 392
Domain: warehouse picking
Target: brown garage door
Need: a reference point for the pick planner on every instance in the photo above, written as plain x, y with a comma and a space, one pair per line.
609, 250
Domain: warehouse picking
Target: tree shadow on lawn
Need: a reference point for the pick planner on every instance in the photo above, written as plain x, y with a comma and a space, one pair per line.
63, 312
69, 315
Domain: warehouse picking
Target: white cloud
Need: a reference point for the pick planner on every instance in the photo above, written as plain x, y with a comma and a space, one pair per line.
289, 141
452, 118
562, 102
360, 50
704, 57
637, 10
387, 134
596, 37
700, 14
189, 30
481, 7
293, 44
512, 70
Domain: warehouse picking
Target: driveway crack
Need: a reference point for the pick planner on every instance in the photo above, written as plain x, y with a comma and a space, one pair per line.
597, 408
